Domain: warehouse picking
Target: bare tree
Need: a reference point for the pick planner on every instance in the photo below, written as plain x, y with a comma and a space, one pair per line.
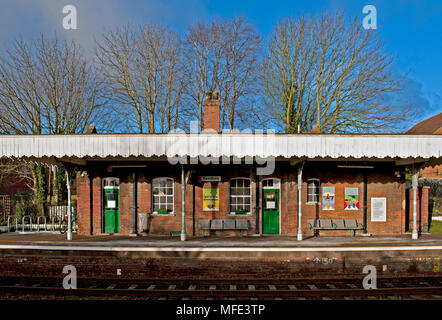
221, 56
240, 77
203, 52
144, 75
47, 86
328, 72
286, 77
16, 168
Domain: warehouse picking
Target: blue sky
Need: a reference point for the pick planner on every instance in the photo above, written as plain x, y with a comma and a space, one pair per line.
412, 30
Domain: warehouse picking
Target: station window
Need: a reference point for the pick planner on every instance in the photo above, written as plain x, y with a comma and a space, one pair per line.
162, 195
240, 196
313, 191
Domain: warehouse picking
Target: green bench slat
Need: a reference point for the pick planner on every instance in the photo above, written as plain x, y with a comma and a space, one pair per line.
227, 224
333, 224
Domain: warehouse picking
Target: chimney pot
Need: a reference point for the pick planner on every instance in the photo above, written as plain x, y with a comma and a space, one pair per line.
211, 112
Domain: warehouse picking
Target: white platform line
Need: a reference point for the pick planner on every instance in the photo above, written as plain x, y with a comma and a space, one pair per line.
219, 249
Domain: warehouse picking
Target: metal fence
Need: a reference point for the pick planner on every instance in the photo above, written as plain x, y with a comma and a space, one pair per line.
56, 222
59, 212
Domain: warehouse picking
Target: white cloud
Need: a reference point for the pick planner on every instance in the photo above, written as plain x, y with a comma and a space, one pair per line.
32, 17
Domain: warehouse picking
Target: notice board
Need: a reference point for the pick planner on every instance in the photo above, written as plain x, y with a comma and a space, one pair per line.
379, 209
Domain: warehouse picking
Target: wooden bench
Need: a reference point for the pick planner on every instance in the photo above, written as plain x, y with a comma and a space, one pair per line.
221, 225
334, 224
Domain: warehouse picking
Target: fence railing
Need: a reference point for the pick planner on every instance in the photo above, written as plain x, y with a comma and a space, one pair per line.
57, 221
60, 212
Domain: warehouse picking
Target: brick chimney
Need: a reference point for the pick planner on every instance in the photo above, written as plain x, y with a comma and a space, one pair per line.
211, 111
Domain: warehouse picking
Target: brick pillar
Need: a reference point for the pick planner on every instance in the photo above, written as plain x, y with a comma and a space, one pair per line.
211, 111
96, 198
83, 204
424, 208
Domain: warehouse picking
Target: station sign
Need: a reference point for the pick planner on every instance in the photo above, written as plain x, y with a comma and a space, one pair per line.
209, 179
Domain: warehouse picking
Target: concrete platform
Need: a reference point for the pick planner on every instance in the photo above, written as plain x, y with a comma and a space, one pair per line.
47, 253
250, 242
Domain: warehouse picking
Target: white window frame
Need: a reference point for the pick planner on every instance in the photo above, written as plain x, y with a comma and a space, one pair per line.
316, 191
240, 196
158, 179
275, 181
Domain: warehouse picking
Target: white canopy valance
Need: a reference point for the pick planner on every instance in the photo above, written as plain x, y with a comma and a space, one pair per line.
217, 145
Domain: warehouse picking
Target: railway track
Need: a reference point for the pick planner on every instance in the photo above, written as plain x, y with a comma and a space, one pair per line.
325, 288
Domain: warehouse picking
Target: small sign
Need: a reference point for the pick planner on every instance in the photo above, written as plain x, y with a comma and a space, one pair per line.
111, 204
210, 179
270, 204
379, 209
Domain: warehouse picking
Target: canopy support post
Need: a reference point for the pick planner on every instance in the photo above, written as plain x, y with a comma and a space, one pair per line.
183, 204
414, 182
300, 167
68, 185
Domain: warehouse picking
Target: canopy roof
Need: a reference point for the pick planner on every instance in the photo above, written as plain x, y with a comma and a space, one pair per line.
81, 148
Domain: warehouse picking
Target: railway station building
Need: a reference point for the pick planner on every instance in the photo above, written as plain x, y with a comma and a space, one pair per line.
227, 183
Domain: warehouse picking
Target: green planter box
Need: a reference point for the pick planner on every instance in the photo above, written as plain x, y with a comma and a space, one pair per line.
163, 211
240, 212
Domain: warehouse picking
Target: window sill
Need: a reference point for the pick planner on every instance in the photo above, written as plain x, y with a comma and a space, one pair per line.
162, 215
239, 215
312, 203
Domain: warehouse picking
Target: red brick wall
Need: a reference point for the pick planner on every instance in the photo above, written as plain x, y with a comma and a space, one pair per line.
431, 172
83, 204
83, 182
227, 172
381, 183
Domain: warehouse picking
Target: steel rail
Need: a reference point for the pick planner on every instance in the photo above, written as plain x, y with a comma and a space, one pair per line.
221, 293
210, 281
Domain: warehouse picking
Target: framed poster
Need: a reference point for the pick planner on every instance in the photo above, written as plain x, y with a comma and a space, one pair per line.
351, 199
328, 198
379, 209
211, 197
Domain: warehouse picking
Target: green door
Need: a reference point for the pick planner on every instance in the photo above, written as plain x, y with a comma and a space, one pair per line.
111, 210
270, 213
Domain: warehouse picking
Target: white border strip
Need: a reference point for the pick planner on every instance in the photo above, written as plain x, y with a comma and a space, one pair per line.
219, 249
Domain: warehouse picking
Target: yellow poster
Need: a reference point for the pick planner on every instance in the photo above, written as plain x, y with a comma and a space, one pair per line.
211, 197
